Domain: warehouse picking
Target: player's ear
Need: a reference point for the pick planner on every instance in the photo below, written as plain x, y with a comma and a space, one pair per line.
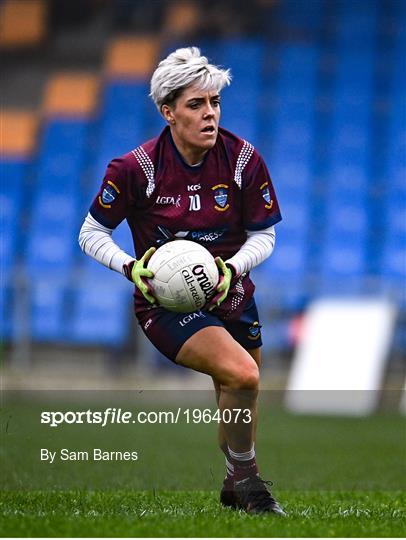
167, 114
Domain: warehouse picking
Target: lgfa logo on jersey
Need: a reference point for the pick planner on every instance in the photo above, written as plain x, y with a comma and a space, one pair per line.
169, 200
109, 194
266, 195
221, 196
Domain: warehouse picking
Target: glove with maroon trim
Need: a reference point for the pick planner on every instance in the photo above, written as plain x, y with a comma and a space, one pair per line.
223, 286
136, 271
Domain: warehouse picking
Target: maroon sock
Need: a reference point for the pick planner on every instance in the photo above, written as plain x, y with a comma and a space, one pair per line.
244, 469
229, 479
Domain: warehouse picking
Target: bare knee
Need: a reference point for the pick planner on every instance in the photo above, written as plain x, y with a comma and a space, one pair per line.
245, 377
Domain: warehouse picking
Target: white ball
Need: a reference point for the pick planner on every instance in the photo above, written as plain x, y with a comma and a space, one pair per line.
185, 276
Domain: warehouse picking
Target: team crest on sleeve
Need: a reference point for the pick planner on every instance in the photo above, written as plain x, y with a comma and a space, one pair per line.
109, 194
266, 195
221, 197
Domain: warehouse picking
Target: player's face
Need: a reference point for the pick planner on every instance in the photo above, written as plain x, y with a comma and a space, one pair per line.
194, 120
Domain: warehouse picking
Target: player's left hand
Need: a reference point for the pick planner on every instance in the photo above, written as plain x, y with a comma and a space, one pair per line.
223, 286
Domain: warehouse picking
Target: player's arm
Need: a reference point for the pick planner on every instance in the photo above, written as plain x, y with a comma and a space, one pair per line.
110, 207
260, 213
258, 247
96, 241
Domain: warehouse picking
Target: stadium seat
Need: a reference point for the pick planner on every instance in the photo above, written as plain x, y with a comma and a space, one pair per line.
122, 123
127, 113
181, 19
131, 58
301, 16
48, 292
12, 173
240, 112
70, 94
290, 160
21, 129
5, 311
329, 121
69, 101
393, 206
22, 23
101, 313
57, 192
11, 197
343, 262
15, 151
357, 24
53, 230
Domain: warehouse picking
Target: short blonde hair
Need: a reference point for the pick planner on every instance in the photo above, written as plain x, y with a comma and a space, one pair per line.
181, 69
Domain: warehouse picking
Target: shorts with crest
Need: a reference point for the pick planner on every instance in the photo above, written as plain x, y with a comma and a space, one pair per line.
168, 331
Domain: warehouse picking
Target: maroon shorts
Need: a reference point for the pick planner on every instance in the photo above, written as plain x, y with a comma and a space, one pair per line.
168, 331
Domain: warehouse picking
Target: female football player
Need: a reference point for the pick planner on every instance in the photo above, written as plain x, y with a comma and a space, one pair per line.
200, 182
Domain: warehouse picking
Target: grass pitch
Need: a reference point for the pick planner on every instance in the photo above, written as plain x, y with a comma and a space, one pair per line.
336, 477
198, 514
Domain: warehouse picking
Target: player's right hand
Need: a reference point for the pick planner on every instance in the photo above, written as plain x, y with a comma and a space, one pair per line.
136, 271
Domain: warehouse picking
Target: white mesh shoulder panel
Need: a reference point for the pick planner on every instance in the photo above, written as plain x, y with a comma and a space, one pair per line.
147, 166
243, 158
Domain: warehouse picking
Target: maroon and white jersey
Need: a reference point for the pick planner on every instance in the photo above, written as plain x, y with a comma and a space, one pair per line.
213, 203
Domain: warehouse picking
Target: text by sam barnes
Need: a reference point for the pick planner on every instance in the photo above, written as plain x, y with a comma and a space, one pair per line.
96, 454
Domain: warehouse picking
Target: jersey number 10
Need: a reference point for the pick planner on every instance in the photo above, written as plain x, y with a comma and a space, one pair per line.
194, 203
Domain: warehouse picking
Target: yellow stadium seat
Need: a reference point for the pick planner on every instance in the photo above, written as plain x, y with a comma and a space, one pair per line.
181, 18
71, 94
17, 133
132, 57
22, 22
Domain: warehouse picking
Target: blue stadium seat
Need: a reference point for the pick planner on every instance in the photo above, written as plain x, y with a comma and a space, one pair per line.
357, 22
393, 205
102, 312
290, 160
240, 111
47, 308
300, 15
6, 309
344, 240
52, 237
12, 175
329, 213
101, 303
126, 113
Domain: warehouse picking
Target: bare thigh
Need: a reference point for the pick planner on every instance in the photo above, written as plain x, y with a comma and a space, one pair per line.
212, 350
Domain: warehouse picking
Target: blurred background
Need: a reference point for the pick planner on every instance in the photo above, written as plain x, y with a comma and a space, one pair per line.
318, 87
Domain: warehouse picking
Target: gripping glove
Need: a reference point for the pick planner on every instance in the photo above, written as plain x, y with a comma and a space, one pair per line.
135, 271
223, 286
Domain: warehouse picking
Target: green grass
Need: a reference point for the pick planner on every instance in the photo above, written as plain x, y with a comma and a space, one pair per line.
336, 477
198, 514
